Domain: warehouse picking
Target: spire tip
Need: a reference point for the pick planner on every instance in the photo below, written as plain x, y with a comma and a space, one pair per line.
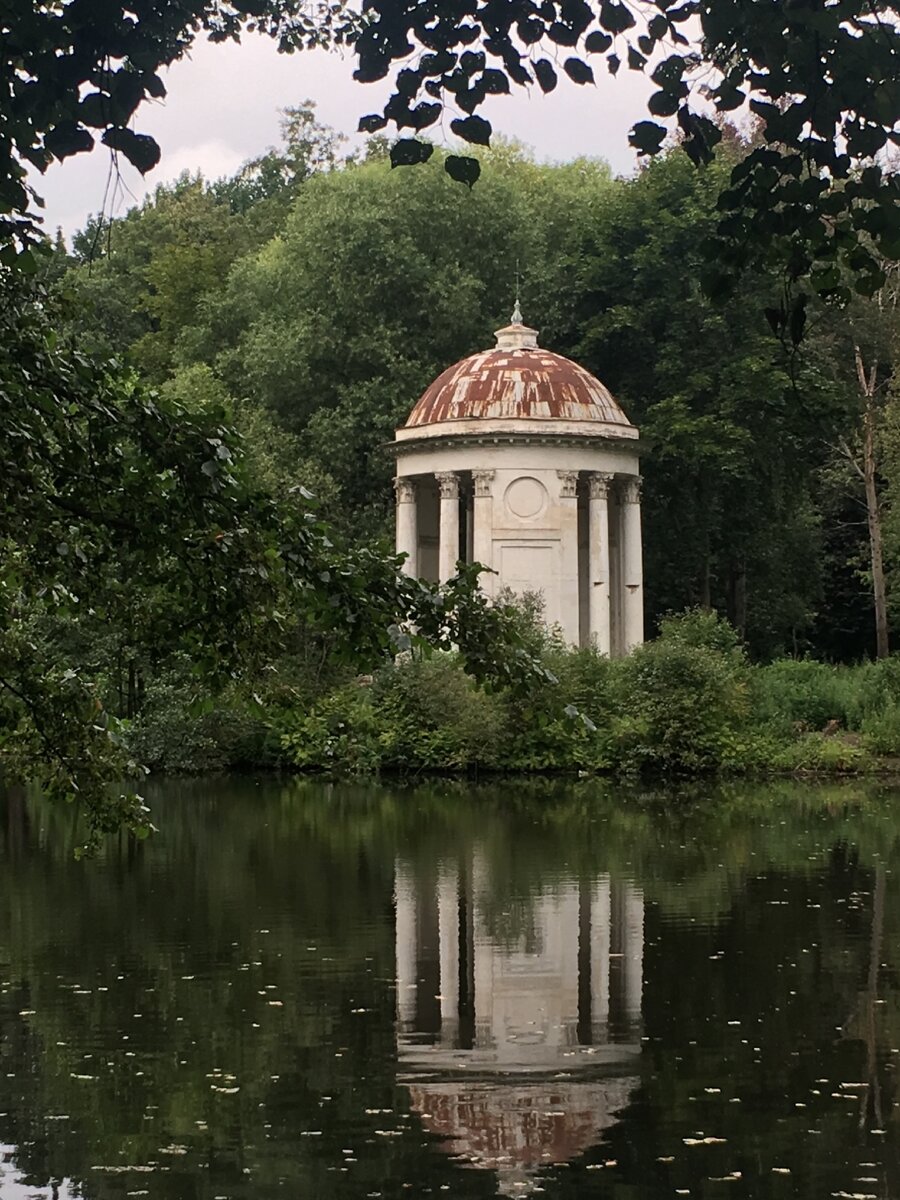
516, 318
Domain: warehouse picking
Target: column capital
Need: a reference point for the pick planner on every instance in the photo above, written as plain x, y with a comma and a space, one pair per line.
631, 489
568, 484
482, 481
599, 484
448, 482
405, 489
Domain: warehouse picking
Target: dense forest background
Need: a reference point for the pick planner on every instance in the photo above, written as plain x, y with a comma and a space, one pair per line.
316, 293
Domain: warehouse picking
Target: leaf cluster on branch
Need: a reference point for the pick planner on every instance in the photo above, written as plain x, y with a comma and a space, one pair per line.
823, 79
74, 72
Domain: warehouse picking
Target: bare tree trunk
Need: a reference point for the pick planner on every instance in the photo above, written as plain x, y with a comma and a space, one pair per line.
705, 579
873, 508
737, 597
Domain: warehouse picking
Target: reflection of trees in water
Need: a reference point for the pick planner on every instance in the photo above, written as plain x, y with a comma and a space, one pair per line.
314, 865
179, 920
863, 1023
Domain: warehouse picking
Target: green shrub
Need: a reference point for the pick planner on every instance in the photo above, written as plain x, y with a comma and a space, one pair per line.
698, 627
416, 714
566, 726
881, 730
433, 716
687, 703
815, 752
752, 751
562, 740
340, 733
586, 680
172, 733
876, 689
683, 697
793, 696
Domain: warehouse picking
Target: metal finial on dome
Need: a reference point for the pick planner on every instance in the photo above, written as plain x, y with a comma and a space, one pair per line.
516, 335
516, 318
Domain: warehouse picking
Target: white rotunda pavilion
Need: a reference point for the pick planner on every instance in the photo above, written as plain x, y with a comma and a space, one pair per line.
519, 459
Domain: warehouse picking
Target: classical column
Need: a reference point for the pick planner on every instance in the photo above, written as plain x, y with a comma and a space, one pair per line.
568, 556
632, 564
407, 526
598, 561
470, 524
483, 525
448, 543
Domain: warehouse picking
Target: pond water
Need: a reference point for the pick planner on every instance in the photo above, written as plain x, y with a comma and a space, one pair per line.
316, 991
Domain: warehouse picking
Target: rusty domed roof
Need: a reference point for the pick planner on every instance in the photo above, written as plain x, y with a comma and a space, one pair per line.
515, 380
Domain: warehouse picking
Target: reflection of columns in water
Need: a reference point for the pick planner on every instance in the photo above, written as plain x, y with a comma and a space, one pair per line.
634, 951
571, 976
405, 938
538, 996
465, 932
611, 959
419, 969
626, 955
448, 932
600, 929
482, 964
428, 970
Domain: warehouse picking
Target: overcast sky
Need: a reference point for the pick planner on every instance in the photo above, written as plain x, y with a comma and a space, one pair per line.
222, 108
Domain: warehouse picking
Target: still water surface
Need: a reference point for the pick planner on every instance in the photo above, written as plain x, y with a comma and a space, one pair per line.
327, 992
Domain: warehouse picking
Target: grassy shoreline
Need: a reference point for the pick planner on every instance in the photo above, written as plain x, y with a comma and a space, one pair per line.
688, 703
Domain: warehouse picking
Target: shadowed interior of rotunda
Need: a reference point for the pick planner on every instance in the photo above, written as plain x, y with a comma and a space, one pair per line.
518, 1027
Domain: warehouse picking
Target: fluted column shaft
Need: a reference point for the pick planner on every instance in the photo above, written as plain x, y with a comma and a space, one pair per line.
568, 555
632, 564
448, 541
407, 524
483, 522
598, 561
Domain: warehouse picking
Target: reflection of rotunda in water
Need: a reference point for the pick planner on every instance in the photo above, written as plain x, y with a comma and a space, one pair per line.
518, 1026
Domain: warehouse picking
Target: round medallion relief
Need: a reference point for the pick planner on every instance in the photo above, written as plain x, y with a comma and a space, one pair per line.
526, 497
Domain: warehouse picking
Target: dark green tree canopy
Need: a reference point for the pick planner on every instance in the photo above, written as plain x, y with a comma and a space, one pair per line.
822, 77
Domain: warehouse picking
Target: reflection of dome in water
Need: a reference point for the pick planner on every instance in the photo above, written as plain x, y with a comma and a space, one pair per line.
515, 1049
517, 1128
